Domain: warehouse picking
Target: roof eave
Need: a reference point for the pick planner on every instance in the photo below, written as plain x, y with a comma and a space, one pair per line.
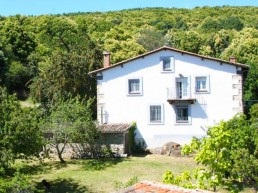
172, 49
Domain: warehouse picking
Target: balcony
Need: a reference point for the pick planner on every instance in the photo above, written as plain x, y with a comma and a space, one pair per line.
176, 96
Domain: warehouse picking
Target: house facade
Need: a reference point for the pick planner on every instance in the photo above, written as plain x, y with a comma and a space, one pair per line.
171, 94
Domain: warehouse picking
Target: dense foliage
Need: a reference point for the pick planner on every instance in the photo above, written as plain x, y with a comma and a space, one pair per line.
230, 154
22, 131
71, 55
19, 183
18, 130
48, 57
50, 54
71, 121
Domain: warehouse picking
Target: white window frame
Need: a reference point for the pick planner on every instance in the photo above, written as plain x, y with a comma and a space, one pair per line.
137, 93
188, 87
156, 122
202, 90
189, 118
172, 64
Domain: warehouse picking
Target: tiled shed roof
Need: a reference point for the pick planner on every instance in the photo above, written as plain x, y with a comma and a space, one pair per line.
150, 187
115, 127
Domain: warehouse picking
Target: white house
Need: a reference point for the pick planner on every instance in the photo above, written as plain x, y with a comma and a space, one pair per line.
171, 94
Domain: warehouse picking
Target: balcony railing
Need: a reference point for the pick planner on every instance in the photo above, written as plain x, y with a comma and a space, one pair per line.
174, 97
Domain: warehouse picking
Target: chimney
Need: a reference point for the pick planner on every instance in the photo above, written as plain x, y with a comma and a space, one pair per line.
232, 59
106, 59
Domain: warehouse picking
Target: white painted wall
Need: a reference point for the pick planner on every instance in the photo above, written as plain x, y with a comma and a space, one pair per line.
120, 107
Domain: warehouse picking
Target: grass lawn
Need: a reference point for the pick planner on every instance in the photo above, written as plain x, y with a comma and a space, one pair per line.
103, 175
108, 175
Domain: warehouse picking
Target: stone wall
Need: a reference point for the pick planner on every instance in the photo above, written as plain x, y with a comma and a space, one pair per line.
74, 151
237, 93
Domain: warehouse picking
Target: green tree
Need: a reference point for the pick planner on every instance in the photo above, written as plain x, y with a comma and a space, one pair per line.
17, 38
17, 74
18, 130
118, 33
174, 38
210, 25
68, 75
185, 40
34, 42
2, 66
232, 22
254, 113
18, 42
150, 39
244, 48
18, 183
216, 43
228, 152
122, 50
181, 23
164, 23
70, 121
72, 56
191, 41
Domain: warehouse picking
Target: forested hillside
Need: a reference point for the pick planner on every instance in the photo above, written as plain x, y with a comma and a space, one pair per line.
49, 54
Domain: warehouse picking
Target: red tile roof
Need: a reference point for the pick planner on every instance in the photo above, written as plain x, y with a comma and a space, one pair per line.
115, 127
150, 187
172, 49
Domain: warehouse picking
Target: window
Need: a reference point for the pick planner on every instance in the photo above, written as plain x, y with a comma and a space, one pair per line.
182, 114
182, 88
134, 86
167, 64
156, 114
202, 83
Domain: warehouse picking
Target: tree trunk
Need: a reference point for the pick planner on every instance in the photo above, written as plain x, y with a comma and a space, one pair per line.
60, 158
214, 189
59, 153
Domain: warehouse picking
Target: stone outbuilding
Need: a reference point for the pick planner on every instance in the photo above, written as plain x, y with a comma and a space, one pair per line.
116, 137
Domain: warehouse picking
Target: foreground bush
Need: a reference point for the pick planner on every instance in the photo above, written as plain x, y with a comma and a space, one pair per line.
229, 154
20, 183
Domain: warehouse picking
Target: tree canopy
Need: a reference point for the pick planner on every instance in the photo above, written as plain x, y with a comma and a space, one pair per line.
229, 152
70, 121
48, 58
37, 51
18, 130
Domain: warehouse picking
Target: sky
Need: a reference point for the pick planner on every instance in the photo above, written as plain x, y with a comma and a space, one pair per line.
39, 7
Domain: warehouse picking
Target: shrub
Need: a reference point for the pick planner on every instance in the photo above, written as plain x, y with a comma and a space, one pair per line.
182, 180
229, 154
119, 185
20, 183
